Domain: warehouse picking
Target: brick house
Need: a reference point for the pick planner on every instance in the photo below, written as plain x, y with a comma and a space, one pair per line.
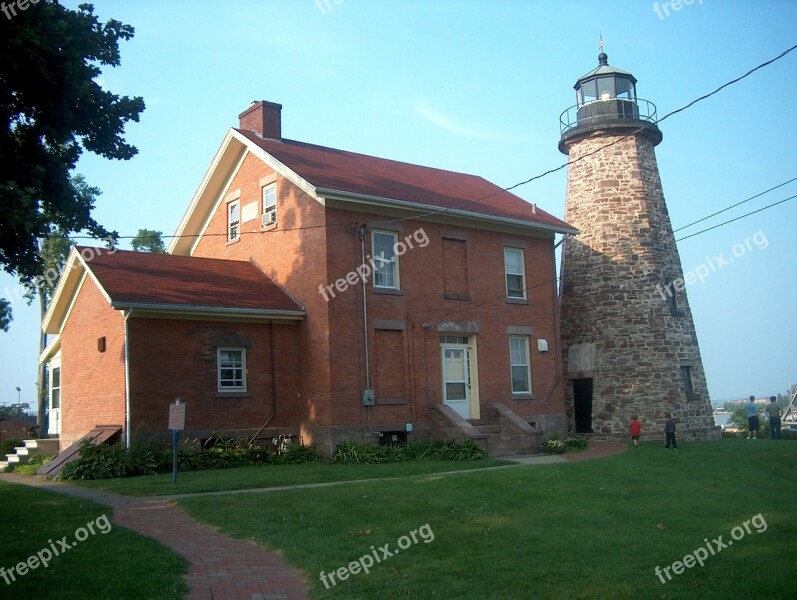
256, 317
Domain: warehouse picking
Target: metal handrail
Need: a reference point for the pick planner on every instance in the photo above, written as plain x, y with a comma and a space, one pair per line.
644, 111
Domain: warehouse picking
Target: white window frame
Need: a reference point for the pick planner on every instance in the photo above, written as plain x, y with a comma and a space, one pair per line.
524, 339
231, 237
231, 388
273, 206
380, 263
522, 273
55, 390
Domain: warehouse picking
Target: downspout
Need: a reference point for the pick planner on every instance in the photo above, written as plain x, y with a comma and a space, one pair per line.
127, 380
556, 332
273, 385
365, 312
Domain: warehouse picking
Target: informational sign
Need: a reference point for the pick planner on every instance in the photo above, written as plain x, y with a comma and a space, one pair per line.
177, 416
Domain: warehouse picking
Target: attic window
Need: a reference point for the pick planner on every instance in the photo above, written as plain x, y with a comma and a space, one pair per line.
269, 204
233, 221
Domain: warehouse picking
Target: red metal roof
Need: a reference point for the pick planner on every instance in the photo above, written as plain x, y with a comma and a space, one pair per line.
362, 174
165, 279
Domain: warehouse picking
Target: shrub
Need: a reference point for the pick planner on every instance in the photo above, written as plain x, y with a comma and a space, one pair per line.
296, 454
99, 462
356, 453
29, 468
467, 450
577, 442
7, 447
554, 446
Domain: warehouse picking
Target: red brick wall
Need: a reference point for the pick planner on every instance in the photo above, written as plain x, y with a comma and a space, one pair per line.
92, 382
177, 358
294, 258
331, 338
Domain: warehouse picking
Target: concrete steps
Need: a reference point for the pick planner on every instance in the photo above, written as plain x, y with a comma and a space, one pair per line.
22, 454
501, 432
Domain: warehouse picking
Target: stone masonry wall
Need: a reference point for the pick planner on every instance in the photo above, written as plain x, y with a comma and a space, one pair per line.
616, 327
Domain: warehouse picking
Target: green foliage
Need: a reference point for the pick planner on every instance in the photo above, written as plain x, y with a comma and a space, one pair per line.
5, 314
576, 442
359, 453
148, 241
7, 447
554, 446
29, 468
52, 108
104, 462
295, 454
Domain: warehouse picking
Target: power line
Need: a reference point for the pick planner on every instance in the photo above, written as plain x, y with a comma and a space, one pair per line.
734, 205
737, 218
524, 182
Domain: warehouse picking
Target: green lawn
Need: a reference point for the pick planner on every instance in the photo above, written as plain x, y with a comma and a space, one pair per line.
588, 530
267, 476
115, 564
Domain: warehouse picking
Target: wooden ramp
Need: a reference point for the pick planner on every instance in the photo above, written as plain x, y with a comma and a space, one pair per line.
101, 434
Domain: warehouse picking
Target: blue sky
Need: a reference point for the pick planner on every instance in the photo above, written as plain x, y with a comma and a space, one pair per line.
478, 87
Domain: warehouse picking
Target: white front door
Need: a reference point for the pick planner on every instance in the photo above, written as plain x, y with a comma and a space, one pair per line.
456, 379
54, 420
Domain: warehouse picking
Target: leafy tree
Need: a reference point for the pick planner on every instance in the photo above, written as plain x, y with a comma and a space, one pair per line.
9, 412
51, 110
53, 252
148, 241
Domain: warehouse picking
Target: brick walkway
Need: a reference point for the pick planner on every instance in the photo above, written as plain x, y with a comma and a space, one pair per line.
221, 568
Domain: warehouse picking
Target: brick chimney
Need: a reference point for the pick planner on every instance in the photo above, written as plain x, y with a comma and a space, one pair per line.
265, 118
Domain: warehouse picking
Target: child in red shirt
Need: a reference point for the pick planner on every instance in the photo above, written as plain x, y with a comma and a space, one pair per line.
636, 429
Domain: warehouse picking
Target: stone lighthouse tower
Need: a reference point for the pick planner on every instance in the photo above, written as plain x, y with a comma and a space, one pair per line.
627, 331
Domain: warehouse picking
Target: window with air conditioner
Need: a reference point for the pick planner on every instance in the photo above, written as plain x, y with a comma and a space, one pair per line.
269, 216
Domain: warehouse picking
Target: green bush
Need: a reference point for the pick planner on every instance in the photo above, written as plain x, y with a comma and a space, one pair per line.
577, 442
554, 446
296, 454
29, 468
357, 453
99, 462
7, 447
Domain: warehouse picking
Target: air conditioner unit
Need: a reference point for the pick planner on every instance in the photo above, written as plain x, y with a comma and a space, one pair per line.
268, 218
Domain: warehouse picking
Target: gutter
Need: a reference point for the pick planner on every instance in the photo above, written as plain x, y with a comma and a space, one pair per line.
297, 315
436, 210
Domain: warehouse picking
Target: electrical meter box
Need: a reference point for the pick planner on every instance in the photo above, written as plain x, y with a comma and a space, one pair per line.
369, 398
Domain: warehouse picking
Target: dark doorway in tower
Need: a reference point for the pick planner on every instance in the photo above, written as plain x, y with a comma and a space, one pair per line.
582, 404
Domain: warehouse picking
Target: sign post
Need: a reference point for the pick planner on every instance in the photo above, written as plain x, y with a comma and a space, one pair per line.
176, 424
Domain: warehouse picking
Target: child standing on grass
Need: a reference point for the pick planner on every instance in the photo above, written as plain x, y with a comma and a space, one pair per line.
669, 432
636, 429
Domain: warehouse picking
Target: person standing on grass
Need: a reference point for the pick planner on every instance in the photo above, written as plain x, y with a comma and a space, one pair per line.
669, 432
636, 429
773, 410
752, 419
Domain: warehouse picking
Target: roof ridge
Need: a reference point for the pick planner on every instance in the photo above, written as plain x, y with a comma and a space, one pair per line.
352, 152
